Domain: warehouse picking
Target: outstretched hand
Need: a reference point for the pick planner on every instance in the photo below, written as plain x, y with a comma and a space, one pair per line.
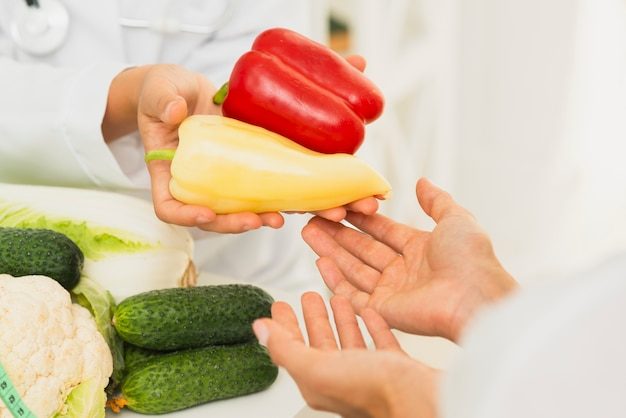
421, 282
353, 381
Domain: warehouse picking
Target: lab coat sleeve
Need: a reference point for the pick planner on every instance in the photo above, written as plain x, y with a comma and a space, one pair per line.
50, 125
554, 350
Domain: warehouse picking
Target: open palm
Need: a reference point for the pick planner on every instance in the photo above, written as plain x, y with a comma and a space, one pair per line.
344, 376
422, 282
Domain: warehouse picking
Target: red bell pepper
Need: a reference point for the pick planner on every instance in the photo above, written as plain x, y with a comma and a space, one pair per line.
302, 90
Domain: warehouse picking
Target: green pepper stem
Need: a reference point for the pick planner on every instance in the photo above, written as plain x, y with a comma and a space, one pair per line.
220, 96
159, 154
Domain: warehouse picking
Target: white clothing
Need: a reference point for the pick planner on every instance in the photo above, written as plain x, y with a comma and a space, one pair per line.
540, 128
556, 350
51, 109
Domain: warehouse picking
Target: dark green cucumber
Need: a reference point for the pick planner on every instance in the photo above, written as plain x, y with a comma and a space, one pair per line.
183, 379
179, 318
134, 355
25, 252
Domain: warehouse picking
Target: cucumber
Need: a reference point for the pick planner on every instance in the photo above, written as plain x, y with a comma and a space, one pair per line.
183, 379
26, 252
179, 318
134, 355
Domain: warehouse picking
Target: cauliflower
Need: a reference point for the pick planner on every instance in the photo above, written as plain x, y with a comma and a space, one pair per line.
49, 347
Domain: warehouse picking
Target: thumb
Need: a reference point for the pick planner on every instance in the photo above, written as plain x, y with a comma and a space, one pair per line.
174, 111
160, 97
436, 202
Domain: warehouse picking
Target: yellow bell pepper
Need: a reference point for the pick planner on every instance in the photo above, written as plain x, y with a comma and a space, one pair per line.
231, 166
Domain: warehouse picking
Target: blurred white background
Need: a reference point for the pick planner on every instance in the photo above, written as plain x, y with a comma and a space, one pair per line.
518, 108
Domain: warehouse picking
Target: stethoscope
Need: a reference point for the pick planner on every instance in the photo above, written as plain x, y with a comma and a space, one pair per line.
40, 27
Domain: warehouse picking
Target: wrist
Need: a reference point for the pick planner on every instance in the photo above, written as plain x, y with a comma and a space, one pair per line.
411, 392
120, 117
496, 284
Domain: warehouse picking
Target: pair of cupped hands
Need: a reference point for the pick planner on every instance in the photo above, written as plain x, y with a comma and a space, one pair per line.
392, 275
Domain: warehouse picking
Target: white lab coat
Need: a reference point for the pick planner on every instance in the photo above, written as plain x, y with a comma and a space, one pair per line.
554, 350
51, 109
541, 122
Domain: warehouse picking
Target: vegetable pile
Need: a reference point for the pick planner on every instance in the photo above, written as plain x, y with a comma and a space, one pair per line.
126, 248
190, 346
294, 112
186, 345
91, 243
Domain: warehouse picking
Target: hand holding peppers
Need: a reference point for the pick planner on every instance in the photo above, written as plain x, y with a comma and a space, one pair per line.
302, 90
233, 167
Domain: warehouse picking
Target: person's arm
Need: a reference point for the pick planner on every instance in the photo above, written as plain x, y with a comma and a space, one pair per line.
422, 282
353, 381
120, 116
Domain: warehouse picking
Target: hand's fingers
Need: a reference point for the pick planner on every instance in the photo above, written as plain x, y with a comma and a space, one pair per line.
380, 331
358, 273
233, 223
385, 230
334, 214
175, 111
367, 206
317, 323
161, 99
437, 203
357, 62
204, 102
363, 246
166, 207
334, 278
272, 219
347, 326
236, 223
172, 211
170, 93
337, 283
285, 349
284, 315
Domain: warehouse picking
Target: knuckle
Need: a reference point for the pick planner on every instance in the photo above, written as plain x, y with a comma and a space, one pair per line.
161, 213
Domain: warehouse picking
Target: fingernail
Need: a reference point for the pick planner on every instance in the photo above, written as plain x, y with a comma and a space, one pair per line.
169, 109
250, 227
261, 332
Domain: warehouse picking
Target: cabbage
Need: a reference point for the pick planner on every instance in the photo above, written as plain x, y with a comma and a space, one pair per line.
100, 303
127, 249
85, 400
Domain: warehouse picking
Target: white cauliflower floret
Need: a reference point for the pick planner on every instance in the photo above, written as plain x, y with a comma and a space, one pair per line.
48, 346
